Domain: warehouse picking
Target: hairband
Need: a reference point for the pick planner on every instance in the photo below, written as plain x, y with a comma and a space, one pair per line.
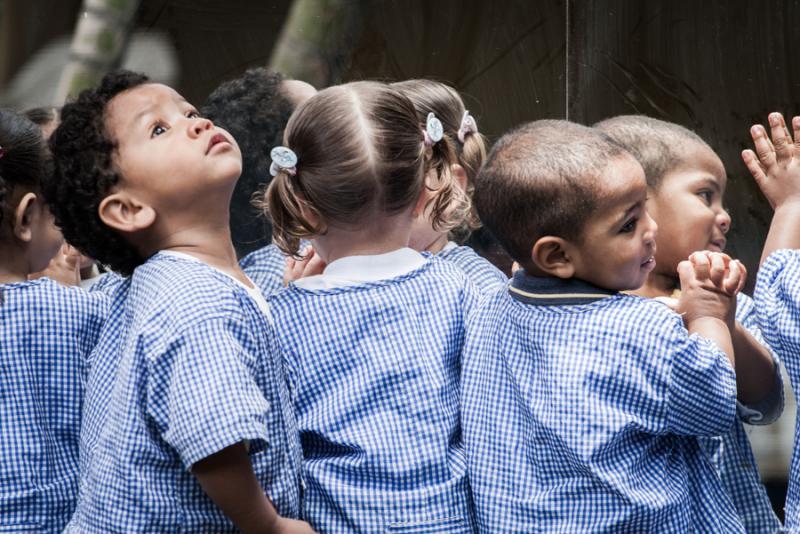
283, 159
468, 126
434, 131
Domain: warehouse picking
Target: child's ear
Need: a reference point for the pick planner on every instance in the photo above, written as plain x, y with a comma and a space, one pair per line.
125, 213
422, 201
24, 216
553, 256
459, 175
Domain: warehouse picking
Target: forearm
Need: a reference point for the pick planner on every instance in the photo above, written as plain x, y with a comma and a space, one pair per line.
755, 368
717, 331
784, 231
228, 479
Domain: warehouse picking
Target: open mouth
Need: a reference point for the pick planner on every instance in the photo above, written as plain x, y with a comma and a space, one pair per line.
215, 140
649, 262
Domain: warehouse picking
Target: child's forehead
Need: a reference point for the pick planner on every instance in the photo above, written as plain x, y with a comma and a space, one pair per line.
621, 183
132, 104
697, 160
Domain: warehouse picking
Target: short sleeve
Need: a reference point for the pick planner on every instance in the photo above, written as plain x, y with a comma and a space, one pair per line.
777, 300
203, 394
701, 397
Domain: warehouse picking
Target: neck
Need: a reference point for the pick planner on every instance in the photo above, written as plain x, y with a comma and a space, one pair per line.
378, 236
658, 285
209, 243
14, 266
438, 244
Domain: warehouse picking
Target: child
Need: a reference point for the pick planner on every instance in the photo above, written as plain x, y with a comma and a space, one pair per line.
46, 330
68, 266
372, 346
580, 403
462, 130
686, 183
777, 295
255, 108
197, 423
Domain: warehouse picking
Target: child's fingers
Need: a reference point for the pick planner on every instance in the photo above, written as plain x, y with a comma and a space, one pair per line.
763, 146
755, 167
718, 268
701, 265
313, 267
686, 273
733, 280
796, 132
742, 277
781, 141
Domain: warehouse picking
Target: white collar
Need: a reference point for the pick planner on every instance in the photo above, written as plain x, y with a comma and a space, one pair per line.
356, 270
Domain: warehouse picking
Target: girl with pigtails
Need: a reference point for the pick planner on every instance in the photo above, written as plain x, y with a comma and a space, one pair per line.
461, 129
372, 346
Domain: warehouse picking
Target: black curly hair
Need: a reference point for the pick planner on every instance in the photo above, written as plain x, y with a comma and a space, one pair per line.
23, 158
255, 111
84, 173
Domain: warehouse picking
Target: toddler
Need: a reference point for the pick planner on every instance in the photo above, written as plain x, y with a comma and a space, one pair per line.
581, 403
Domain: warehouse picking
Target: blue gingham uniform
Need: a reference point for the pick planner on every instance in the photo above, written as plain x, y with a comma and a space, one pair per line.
196, 372
373, 370
46, 331
731, 453
582, 418
265, 267
777, 298
486, 277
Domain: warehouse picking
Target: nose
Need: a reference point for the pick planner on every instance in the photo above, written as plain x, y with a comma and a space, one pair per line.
650, 228
199, 125
724, 221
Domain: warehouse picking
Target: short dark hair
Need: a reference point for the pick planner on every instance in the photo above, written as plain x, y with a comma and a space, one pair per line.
84, 173
542, 179
23, 158
657, 145
254, 109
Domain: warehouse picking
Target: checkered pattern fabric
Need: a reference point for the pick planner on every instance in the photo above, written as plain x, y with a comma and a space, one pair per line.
486, 277
777, 298
196, 371
265, 267
731, 453
583, 418
373, 370
46, 332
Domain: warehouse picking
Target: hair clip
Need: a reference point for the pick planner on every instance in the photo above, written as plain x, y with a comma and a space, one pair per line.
283, 159
2, 152
468, 126
434, 131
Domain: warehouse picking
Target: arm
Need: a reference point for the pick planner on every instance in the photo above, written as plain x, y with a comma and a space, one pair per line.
755, 368
775, 166
228, 479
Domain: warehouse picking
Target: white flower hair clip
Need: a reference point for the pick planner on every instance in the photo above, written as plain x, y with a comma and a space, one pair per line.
283, 159
468, 126
434, 131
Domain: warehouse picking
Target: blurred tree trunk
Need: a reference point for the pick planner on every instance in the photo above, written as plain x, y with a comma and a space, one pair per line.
101, 36
28, 25
317, 40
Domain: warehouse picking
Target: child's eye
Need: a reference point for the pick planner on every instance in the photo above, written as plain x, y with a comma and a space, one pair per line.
194, 114
629, 226
158, 129
707, 196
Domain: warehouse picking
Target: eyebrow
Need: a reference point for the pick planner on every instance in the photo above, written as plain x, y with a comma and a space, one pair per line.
710, 180
149, 109
629, 211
